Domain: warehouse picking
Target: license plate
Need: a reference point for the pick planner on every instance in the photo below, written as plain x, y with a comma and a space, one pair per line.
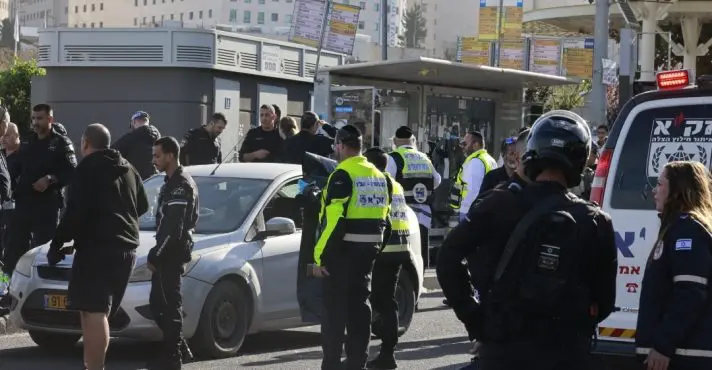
55, 301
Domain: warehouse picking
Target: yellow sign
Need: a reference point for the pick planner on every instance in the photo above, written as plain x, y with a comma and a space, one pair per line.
512, 55
578, 58
489, 21
474, 51
512, 25
545, 56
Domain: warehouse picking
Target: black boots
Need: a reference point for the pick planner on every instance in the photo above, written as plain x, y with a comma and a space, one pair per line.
384, 362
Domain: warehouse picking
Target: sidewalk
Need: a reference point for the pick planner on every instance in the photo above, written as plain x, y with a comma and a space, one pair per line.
430, 280
6, 326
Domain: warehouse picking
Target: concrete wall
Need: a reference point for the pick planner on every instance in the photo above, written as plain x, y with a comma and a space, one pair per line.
176, 98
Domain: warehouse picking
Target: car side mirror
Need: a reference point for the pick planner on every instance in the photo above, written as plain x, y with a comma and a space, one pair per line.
277, 226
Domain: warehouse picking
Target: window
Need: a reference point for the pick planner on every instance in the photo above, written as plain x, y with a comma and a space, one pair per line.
375, 27
200, 14
135, 21
288, 18
181, 17
101, 24
76, 9
163, 18
135, 2
233, 16
653, 139
154, 2
172, 16
261, 1
92, 24
190, 16
101, 6
225, 202
284, 204
210, 14
93, 7
248, 1
144, 20
247, 16
153, 19
289, 1
66, 9
84, 25
361, 25
275, 17
261, 18
145, 2
362, 5
377, 7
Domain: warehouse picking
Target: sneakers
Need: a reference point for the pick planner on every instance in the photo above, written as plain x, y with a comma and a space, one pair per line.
383, 362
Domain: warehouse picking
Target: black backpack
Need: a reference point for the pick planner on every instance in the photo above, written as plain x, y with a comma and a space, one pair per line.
537, 282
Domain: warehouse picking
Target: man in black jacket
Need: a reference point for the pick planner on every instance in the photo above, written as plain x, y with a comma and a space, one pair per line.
263, 143
176, 217
307, 140
136, 145
200, 145
105, 201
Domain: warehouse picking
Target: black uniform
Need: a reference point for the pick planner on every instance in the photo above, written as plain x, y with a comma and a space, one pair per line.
137, 147
199, 147
493, 178
257, 138
541, 294
36, 213
675, 315
176, 217
106, 198
5, 198
304, 142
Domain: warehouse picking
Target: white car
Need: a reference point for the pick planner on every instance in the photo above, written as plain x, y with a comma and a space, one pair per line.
245, 276
652, 129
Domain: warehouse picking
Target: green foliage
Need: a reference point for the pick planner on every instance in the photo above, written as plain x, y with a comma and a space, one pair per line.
567, 96
7, 38
15, 89
415, 27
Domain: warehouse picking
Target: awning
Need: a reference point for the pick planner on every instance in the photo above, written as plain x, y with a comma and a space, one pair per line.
438, 72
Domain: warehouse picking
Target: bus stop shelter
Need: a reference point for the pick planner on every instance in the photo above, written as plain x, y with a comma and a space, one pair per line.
426, 85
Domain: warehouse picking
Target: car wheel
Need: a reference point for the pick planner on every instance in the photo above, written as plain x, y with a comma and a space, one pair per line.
224, 322
405, 295
55, 342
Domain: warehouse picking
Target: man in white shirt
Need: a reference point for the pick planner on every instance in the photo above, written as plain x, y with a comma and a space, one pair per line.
469, 179
416, 173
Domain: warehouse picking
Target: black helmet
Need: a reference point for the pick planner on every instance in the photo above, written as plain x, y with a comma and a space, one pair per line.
558, 139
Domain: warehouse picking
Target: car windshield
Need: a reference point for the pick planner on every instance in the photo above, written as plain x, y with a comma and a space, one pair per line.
224, 202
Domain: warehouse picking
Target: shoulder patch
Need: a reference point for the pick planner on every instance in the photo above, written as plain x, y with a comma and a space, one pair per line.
683, 245
178, 191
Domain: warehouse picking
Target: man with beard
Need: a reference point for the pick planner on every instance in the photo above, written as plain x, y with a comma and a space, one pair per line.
200, 145
263, 143
136, 146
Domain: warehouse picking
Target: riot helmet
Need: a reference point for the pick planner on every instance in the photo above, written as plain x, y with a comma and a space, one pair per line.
559, 139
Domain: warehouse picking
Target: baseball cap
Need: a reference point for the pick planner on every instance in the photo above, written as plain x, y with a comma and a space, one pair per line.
140, 115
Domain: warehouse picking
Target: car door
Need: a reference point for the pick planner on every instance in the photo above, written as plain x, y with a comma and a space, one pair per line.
280, 256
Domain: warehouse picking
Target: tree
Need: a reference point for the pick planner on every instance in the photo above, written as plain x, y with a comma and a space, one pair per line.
7, 38
567, 96
415, 27
15, 89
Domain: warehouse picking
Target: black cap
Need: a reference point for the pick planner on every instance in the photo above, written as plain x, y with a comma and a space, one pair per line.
140, 115
404, 132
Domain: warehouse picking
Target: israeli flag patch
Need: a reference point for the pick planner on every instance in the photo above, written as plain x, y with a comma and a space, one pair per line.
683, 244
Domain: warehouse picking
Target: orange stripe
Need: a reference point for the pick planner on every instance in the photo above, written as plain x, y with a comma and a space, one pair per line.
616, 333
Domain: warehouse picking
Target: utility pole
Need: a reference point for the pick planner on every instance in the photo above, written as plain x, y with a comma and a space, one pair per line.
600, 51
500, 32
384, 29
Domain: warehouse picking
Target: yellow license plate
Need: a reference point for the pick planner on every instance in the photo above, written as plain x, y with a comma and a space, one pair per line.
55, 301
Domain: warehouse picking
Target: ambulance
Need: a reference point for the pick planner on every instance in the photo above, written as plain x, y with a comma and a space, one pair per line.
673, 122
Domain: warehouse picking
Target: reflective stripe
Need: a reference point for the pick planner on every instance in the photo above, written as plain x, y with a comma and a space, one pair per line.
177, 203
395, 248
690, 279
409, 193
363, 238
680, 352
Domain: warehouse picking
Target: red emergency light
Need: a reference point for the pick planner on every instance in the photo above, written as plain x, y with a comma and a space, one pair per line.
673, 79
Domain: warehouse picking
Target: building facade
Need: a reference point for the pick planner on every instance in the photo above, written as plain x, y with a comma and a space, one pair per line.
36, 13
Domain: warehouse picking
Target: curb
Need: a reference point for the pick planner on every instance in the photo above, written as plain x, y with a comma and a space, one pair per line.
7, 326
430, 280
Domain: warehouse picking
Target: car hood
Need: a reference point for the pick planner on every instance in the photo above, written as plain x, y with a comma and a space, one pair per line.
147, 240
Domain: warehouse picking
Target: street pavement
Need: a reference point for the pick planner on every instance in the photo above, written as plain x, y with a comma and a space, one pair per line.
436, 340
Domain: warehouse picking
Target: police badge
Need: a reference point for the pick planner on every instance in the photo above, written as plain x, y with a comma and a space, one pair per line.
658, 250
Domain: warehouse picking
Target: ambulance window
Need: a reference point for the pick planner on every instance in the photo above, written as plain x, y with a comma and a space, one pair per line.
656, 137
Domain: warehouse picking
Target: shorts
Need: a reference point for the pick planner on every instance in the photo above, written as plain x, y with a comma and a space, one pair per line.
99, 280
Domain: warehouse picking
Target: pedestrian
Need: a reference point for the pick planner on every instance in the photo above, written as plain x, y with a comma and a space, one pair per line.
46, 163
542, 262
106, 198
136, 145
200, 145
602, 136
675, 311
388, 266
6, 206
355, 206
277, 113
307, 141
415, 172
263, 143
287, 127
506, 170
176, 216
469, 179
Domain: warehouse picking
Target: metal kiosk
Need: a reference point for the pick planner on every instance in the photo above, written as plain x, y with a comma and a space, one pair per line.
440, 100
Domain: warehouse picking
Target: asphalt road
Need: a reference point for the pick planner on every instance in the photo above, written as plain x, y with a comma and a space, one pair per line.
435, 341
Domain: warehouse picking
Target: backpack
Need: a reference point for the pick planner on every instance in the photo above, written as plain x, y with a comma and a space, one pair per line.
536, 281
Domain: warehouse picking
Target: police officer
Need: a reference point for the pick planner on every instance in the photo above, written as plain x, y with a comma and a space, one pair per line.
469, 179
137, 145
354, 214
675, 318
388, 266
46, 165
200, 145
543, 261
416, 173
176, 216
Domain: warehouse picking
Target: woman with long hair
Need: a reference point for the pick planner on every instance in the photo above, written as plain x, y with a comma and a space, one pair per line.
287, 127
674, 328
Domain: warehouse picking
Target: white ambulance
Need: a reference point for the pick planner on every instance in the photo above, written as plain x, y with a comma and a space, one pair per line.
671, 123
